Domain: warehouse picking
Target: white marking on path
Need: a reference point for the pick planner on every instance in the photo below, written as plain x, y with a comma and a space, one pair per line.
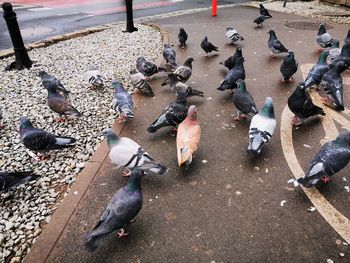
38, 9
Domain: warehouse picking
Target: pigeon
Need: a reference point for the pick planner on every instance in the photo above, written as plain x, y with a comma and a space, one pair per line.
347, 38
263, 11
260, 20
50, 81
334, 50
230, 61
173, 114
126, 203
188, 137
1, 119
12, 179
300, 103
234, 74
233, 35
288, 67
275, 45
316, 73
182, 37
122, 102
169, 55
183, 73
140, 83
179, 87
343, 56
332, 157
262, 127
323, 38
243, 101
147, 68
40, 141
60, 104
93, 75
332, 83
126, 153
207, 46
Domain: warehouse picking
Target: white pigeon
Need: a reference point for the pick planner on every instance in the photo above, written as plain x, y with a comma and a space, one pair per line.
262, 127
126, 153
94, 77
233, 35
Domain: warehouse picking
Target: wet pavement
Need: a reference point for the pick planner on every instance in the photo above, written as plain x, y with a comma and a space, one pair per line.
227, 209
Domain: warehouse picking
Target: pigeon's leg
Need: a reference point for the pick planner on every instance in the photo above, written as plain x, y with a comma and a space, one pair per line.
174, 129
60, 119
43, 156
122, 233
33, 155
320, 50
121, 118
126, 173
296, 121
272, 54
325, 179
291, 80
239, 116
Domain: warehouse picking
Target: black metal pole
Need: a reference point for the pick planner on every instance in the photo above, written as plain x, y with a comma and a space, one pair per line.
129, 17
22, 58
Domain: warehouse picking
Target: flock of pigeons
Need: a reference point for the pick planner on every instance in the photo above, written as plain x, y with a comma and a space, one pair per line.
124, 152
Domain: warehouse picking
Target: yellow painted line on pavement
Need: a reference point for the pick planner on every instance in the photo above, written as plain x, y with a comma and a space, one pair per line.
337, 220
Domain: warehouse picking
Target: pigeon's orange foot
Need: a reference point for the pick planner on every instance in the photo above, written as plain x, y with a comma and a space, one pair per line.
325, 179
326, 101
121, 118
319, 50
296, 121
61, 119
122, 233
126, 173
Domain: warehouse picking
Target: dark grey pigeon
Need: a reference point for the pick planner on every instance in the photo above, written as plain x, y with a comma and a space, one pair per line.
300, 103
231, 61
288, 67
140, 83
332, 157
147, 67
343, 56
122, 102
180, 87
323, 38
347, 38
182, 36
317, 71
332, 83
236, 73
207, 46
263, 11
169, 55
120, 212
173, 114
183, 73
40, 141
243, 101
50, 81
259, 20
12, 179
275, 45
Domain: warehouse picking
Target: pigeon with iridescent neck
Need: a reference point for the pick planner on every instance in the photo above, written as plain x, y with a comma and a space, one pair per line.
126, 203
243, 101
317, 71
122, 102
331, 158
323, 38
334, 50
262, 127
288, 67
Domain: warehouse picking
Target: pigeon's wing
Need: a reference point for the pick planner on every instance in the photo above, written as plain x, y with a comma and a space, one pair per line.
13, 179
61, 105
324, 40
260, 131
123, 103
183, 73
244, 102
187, 141
278, 45
38, 140
176, 114
122, 154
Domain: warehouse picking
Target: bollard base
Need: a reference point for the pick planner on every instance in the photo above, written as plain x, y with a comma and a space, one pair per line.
130, 29
11, 66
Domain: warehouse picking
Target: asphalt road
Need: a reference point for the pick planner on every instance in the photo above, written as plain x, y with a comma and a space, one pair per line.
229, 208
39, 19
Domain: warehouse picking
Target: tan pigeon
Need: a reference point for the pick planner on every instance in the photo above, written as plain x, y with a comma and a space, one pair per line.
188, 136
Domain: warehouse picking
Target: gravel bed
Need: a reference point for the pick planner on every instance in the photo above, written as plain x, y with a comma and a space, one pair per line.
26, 208
309, 9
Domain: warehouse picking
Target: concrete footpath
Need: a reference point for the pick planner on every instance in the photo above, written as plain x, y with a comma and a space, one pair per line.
227, 207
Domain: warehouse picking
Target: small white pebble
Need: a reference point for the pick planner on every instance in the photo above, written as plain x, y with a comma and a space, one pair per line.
267, 170
311, 209
151, 200
344, 179
228, 186
204, 161
238, 193
341, 254
328, 260
347, 188
209, 98
307, 146
283, 202
156, 196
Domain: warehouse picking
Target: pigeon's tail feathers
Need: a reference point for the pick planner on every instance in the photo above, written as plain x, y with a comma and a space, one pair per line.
184, 154
74, 112
65, 141
165, 82
24, 177
215, 48
194, 92
161, 69
254, 110
159, 169
93, 241
222, 63
306, 183
224, 86
96, 81
152, 129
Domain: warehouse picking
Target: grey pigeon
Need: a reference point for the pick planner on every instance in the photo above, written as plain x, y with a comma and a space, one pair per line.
50, 81
140, 83
172, 115
179, 87
300, 103
120, 212
182, 36
122, 102
275, 45
232, 35
332, 83
60, 104
183, 73
347, 38
323, 38
169, 55
40, 141
126, 153
207, 46
316, 73
231, 61
146, 67
243, 101
343, 56
234, 74
12, 179
288, 67
334, 50
263, 11
259, 20
94, 77
262, 127
332, 157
